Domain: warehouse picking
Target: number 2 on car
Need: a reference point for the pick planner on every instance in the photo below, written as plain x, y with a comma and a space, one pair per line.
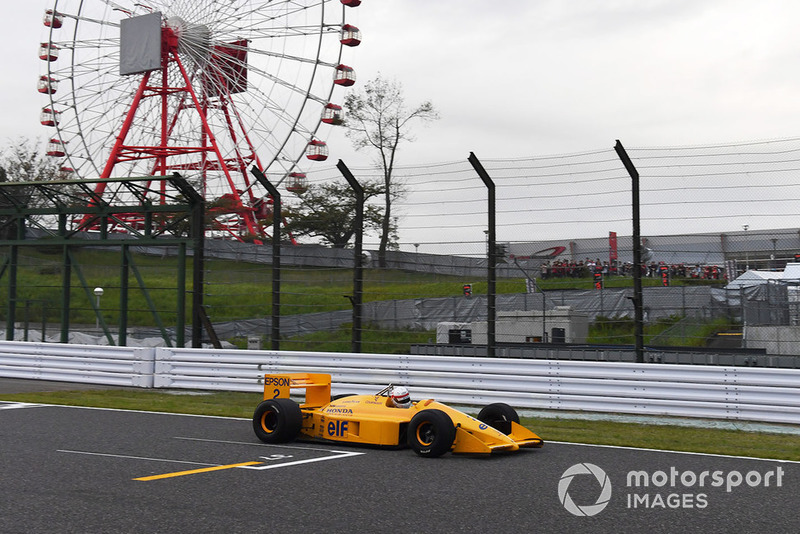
276, 387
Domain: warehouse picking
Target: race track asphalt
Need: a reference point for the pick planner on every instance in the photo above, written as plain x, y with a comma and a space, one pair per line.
68, 469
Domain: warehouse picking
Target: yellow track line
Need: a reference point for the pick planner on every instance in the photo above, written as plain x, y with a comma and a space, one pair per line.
195, 471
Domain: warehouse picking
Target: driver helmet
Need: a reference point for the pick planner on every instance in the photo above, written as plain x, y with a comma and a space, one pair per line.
400, 397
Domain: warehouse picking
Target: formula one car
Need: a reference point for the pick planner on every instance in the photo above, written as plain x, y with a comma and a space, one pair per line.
428, 427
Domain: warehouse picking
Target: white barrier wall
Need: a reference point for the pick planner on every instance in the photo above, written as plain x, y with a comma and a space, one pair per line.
88, 364
716, 392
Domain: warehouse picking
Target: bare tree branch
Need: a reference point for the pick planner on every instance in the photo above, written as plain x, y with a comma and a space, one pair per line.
378, 118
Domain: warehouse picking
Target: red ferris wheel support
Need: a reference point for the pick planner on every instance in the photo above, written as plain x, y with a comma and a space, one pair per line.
240, 217
205, 89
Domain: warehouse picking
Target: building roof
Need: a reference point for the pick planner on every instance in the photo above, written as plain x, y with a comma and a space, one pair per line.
754, 278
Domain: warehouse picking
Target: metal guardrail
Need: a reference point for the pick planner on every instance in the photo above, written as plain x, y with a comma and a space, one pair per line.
89, 364
718, 392
715, 392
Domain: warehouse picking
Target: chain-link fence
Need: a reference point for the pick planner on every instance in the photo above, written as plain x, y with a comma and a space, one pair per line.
563, 237
716, 228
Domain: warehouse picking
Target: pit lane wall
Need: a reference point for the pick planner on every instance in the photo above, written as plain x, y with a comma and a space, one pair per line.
714, 392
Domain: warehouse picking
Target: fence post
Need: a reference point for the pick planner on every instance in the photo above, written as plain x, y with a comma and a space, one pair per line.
13, 262
358, 262
197, 210
638, 305
492, 255
66, 276
275, 333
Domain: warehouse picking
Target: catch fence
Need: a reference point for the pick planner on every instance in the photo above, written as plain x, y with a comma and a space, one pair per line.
562, 235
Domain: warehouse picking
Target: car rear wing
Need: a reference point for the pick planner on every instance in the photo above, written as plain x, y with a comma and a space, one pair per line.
317, 387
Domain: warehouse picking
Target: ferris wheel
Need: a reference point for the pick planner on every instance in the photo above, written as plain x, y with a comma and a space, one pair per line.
203, 88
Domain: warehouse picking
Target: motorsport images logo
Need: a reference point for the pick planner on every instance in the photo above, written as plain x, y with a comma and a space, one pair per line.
668, 488
602, 499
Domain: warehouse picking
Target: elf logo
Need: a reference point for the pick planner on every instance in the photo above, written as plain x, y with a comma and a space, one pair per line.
337, 428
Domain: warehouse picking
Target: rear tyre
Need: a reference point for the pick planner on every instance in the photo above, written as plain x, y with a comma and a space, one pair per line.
277, 420
431, 433
499, 415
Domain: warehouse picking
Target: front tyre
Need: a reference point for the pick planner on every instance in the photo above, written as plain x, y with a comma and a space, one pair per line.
277, 420
431, 433
499, 415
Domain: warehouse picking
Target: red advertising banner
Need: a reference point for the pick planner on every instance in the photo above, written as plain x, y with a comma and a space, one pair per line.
612, 246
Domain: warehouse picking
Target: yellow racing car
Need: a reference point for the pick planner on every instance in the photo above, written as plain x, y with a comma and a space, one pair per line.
387, 418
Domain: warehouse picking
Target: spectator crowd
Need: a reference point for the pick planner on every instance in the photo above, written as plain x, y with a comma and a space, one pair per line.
589, 267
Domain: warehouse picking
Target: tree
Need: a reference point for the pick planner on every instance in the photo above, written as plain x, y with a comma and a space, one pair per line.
327, 211
378, 118
23, 161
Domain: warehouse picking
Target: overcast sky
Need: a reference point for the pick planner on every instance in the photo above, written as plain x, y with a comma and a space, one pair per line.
519, 77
